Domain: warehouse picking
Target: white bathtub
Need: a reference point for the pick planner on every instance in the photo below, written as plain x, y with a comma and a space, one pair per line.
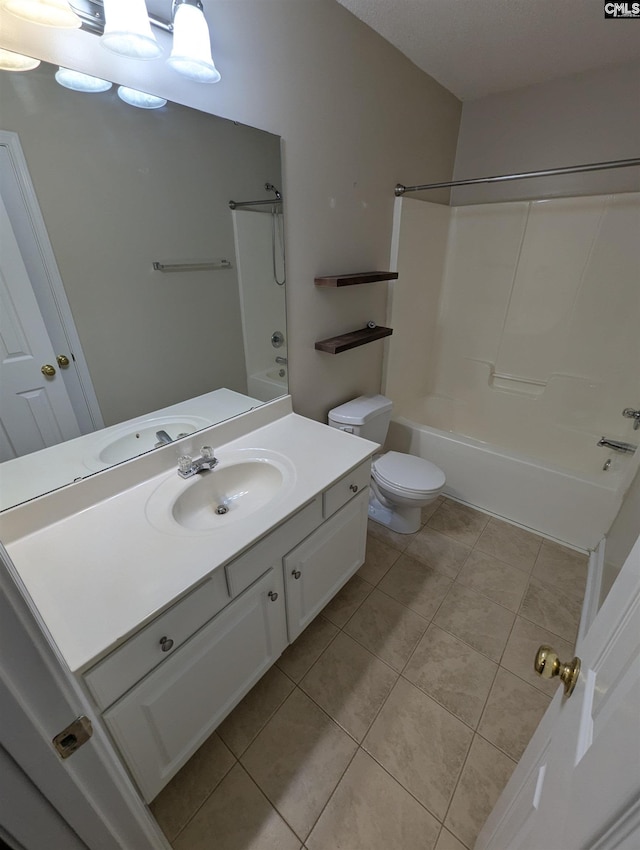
269, 384
555, 502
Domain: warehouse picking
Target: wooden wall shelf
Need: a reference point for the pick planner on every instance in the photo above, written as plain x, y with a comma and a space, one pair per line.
344, 342
352, 279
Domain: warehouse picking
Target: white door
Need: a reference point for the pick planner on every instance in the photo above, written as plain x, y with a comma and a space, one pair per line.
578, 782
38, 698
21, 202
35, 410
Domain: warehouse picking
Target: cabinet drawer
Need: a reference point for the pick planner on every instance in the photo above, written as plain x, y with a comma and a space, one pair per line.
346, 488
248, 567
109, 679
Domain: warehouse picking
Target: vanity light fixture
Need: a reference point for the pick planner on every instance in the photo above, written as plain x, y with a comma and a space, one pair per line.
191, 52
76, 81
127, 30
139, 98
10, 61
50, 13
125, 27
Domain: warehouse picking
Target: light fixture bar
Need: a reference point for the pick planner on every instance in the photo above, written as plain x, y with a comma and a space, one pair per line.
91, 13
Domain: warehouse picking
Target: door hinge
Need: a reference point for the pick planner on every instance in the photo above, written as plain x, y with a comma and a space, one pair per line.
73, 737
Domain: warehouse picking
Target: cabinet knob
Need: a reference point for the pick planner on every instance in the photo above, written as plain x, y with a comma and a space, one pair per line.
353, 488
273, 595
296, 574
166, 643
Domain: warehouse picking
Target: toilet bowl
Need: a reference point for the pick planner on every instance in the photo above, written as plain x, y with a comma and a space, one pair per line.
401, 484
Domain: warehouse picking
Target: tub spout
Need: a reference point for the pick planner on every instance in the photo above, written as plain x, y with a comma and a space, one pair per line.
617, 445
163, 439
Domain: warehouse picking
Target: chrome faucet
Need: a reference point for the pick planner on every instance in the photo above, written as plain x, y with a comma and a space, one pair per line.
617, 445
629, 413
281, 360
163, 439
188, 466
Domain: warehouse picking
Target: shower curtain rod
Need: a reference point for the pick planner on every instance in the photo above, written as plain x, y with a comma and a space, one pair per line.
236, 204
501, 178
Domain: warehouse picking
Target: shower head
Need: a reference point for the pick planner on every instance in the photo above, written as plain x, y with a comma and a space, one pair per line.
269, 187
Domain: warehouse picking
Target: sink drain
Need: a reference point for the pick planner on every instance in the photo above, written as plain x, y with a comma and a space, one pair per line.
222, 509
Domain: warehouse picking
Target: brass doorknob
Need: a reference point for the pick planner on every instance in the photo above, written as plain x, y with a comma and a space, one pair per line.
48, 370
63, 361
548, 665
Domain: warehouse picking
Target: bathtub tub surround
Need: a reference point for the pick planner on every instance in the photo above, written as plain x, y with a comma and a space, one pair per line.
517, 347
401, 485
268, 384
222, 569
259, 247
570, 508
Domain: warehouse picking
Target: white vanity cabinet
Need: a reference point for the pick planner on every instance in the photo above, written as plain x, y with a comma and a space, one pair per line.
161, 722
316, 569
165, 690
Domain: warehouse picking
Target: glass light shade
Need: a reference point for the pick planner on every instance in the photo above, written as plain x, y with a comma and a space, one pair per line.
10, 61
127, 30
139, 98
51, 13
191, 53
76, 81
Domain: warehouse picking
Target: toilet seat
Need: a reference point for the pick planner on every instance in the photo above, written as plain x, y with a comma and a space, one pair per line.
407, 475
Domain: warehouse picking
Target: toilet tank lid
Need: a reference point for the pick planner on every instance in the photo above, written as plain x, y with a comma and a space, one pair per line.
360, 410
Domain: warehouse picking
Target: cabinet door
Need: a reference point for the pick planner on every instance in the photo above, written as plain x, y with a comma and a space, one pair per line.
163, 720
316, 569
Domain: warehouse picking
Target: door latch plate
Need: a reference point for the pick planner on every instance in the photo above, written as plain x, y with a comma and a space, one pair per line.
73, 737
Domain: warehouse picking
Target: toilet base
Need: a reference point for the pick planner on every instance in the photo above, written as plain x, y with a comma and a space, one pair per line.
401, 518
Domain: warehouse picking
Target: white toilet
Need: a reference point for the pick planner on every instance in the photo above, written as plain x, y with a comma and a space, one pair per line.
401, 484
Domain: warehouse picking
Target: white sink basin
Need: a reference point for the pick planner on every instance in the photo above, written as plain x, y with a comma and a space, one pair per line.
243, 483
138, 437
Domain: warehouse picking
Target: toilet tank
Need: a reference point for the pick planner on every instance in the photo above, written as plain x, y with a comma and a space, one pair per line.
367, 416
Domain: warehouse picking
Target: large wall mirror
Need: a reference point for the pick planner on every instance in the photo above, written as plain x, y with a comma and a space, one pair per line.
120, 189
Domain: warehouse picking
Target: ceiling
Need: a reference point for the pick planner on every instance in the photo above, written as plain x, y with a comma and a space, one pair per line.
478, 47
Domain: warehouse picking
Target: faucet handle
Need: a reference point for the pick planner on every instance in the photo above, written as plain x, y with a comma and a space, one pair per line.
185, 464
206, 452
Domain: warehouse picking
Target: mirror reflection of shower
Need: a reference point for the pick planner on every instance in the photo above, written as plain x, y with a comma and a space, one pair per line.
260, 257
277, 235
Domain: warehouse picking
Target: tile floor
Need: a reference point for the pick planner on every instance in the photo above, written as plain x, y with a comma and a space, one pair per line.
396, 718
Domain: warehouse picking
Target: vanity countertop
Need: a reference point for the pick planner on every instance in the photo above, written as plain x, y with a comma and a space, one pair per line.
100, 573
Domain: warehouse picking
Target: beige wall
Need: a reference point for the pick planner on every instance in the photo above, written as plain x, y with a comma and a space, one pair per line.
588, 117
356, 117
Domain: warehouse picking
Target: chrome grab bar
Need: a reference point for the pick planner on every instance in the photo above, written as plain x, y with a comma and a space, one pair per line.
617, 445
